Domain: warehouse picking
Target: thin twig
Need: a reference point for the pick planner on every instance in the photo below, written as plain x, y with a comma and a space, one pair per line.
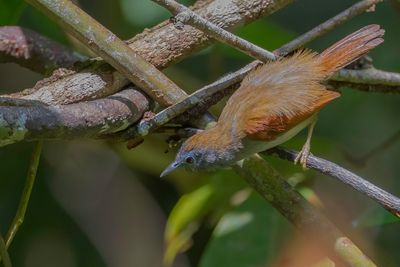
4, 253
302, 215
371, 80
385, 199
258, 173
184, 15
327, 26
144, 127
26, 194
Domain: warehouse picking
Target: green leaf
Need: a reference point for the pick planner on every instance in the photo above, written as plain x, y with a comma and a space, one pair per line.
212, 198
183, 221
10, 11
248, 236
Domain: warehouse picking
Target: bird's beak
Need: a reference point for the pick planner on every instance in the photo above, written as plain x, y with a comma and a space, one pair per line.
170, 168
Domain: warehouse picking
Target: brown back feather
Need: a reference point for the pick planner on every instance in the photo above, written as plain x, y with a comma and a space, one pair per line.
279, 95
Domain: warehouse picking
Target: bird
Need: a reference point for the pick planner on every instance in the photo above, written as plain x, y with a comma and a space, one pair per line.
273, 104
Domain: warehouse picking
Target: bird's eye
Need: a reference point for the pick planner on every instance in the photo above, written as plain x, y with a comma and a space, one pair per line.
189, 160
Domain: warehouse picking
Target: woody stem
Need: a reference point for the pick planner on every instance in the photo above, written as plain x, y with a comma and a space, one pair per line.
184, 15
385, 199
274, 188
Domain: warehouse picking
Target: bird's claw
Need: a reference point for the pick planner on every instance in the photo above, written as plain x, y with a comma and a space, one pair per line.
302, 157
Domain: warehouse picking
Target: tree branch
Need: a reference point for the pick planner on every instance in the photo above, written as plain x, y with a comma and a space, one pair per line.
90, 119
327, 26
4, 253
34, 51
268, 183
105, 44
265, 180
204, 95
161, 46
67, 81
385, 199
369, 80
184, 15
203, 98
26, 194
273, 188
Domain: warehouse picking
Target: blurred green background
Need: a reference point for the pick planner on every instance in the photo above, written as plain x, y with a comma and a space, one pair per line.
98, 204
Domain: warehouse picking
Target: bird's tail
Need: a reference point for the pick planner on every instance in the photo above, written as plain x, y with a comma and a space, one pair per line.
351, 48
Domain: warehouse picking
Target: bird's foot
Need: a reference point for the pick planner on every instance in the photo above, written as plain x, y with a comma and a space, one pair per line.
305, 151
303, 156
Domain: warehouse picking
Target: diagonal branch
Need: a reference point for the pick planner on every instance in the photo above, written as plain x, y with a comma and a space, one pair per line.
161, 46
34, 51
203, 98
70, 81
273, 188
327, 26
105, 44
26, 194
4, 253
206, 94
184, 15
264, 179
385, 199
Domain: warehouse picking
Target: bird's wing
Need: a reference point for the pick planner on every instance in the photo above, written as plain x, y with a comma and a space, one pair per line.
278, 96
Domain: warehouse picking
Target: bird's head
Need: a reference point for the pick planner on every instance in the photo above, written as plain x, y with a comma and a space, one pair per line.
201, 151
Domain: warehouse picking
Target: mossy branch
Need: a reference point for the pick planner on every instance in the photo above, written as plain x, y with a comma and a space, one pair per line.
273, 188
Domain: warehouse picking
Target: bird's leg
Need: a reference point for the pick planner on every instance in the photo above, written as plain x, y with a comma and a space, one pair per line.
305, 151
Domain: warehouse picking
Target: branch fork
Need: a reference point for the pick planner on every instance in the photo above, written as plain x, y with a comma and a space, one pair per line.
255, 171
